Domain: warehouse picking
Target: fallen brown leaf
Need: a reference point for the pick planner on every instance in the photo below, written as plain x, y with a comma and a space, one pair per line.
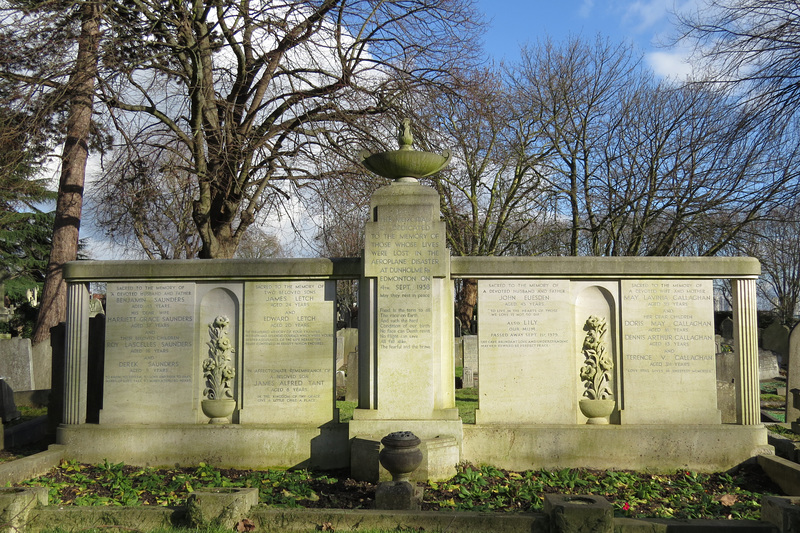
244, 525
727, 499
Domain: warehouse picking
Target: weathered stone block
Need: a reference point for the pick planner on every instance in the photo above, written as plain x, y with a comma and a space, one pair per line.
782, 512
579, 514
15, 505
220, 507
398, 496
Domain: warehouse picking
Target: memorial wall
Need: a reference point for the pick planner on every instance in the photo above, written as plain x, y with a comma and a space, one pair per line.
156, 340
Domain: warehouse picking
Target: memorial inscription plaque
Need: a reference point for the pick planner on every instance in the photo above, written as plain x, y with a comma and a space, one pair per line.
668, 362
150, 359
288, 352
526, 345
404, 251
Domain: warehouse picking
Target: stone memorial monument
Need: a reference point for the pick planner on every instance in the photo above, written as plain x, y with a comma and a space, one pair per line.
597, 362
408, 298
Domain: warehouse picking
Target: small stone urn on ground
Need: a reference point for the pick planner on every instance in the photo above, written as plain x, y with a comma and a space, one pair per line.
400, 456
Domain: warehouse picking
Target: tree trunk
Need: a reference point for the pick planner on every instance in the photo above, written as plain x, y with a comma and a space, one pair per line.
80, 90
467, 298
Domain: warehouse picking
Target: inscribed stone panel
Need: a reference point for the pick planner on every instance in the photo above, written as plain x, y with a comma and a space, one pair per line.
150, 358
668, 364
288, 352
526, 352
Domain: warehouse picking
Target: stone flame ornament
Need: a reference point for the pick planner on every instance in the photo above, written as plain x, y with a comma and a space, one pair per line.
405, 164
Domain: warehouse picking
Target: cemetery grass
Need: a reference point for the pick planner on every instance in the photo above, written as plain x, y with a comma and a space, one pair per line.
733, 495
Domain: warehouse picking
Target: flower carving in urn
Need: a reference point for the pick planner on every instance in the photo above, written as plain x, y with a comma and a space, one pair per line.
598, 364
218, 366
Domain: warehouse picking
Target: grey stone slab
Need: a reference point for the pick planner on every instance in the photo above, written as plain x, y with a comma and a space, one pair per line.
16, 363
768, 367
776, 339
525, 345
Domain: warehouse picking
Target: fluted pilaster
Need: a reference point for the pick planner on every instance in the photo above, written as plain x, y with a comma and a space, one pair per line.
77, 352
745, 333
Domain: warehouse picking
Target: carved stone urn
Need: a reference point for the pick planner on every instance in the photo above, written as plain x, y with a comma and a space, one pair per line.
405, 164
219, 411
401, 454
597, 411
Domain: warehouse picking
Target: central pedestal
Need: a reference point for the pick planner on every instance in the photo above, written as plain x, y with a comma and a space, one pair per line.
406, 367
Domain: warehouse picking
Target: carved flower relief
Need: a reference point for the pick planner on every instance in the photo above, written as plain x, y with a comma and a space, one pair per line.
597, 365
217, 368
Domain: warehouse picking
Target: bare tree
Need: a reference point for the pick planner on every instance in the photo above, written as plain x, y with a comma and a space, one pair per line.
776, 245
753, 46
490, 194
144, 202
639, 167
254, 91
258, 244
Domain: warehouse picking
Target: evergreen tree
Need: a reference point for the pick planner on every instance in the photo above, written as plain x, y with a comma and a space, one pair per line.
25, 221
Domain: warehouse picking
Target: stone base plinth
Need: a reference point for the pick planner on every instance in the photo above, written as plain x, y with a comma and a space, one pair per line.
441, 448
702, 448
228, 445
398, 496
573, 514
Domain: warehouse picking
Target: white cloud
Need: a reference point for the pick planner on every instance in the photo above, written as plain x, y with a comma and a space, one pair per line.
645, 14
586, 9
673, 64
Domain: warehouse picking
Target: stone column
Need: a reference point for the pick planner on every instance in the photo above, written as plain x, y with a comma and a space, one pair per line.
745, 335
77, 353
406, 380
406, 371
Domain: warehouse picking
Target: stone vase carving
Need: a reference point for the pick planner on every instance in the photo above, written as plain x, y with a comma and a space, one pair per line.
598, 402
401, 454
406, 163
218, 372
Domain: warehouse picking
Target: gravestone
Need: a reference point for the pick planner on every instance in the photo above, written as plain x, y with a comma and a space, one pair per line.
669, 351
16, 363
351, 394
776, 339
458, 351
150, 356
470, 352
8, 409
793, 380
726, 329
468, 378
768, 367
523, 345
727, 369
346, 342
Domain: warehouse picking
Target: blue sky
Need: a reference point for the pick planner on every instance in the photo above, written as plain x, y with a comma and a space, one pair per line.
645, 23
